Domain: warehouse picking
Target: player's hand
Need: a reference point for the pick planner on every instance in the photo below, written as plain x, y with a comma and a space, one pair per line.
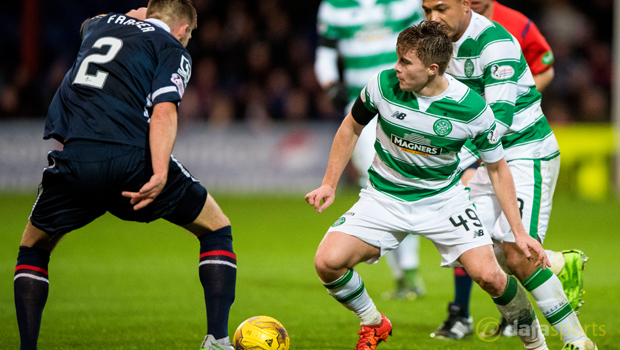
139, 13
325, 193
527, 244
147, 193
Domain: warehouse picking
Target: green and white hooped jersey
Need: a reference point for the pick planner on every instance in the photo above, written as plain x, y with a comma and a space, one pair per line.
365, 32
419, 138
488, 59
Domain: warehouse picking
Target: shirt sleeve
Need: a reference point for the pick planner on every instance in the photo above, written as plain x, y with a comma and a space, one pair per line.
536, 50
501, 60
468, 155
171, 76
487, 138
370, 94
326, 65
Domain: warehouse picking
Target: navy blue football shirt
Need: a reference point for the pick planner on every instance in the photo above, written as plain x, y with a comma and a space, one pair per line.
124, 67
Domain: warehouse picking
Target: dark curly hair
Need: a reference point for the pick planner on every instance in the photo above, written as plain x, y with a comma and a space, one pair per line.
430, 42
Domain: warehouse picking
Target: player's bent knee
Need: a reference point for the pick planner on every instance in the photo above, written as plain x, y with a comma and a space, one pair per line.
211, 218
202, 227
327, 264
216, 221
221, 221
492, 281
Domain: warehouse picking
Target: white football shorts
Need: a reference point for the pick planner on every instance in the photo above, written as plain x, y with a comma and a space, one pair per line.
448, 219
534, 182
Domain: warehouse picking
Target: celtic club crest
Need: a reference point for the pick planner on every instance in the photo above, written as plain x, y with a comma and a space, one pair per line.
469, 68
339, 222
442, 127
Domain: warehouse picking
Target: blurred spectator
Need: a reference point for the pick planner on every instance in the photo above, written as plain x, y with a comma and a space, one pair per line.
558, 113
9, 100
253, 59
580, 33
593, 105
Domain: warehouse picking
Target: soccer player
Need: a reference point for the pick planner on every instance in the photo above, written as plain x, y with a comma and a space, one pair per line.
535, 48
567, 265
424, 118
363, 34
488, 59
116, 115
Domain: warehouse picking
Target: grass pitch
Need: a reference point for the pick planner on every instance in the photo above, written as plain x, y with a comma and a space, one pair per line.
121, 285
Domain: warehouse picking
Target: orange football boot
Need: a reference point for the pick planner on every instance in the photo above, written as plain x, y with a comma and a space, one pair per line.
371, 336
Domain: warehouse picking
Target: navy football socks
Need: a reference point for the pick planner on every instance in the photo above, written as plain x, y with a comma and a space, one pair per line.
218, 275
462, 289
31, 287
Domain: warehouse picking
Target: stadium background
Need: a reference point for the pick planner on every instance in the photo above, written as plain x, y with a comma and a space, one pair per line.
256, 128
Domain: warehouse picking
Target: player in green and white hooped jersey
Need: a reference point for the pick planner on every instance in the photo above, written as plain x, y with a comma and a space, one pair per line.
424, 118
488, 59
363, 34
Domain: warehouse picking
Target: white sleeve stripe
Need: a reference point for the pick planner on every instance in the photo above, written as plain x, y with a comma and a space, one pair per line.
218, 262
31, 276
163, 91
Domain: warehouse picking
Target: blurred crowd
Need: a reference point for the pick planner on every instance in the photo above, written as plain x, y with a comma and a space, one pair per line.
580, 35
253, 59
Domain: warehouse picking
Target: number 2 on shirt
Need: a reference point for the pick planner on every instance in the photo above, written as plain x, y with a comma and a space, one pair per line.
98, 80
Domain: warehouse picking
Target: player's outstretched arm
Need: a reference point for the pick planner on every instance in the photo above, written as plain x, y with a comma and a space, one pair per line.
342, 148
162, 134
504, 187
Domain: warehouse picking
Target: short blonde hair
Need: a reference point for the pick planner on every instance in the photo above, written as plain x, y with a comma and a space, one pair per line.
173, 11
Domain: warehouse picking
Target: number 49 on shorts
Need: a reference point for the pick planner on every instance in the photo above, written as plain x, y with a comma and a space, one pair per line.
475, 221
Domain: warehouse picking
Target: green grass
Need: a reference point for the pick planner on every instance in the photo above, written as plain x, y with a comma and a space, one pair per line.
120, 285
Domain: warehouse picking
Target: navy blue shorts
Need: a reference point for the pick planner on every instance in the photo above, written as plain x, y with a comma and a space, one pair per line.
85, 180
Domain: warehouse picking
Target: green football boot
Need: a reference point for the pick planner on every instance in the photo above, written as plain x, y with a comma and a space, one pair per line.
571, 276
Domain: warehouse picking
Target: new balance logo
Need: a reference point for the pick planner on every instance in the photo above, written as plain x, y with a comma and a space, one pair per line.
399, 115
478, 233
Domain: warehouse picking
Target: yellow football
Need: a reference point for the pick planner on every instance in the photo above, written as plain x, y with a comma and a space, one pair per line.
261, 333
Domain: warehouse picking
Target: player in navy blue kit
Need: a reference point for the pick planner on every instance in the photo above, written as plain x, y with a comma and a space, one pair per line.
116, 115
